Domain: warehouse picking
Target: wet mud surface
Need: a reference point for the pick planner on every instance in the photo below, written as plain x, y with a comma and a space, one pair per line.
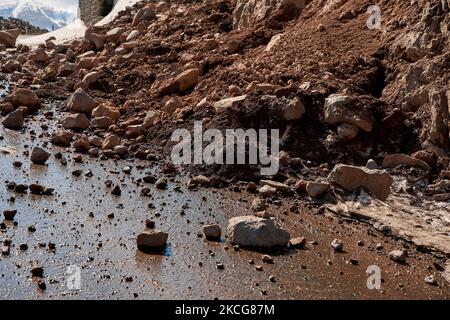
77, 222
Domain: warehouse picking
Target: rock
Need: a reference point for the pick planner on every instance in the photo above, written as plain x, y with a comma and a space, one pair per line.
114, 34
267, 259
81, 102
293, 110
187, 79
350, 178
144, 14
116, 191
8, 37
251, 231
225, 104
341, 109
431, 280
110, 142
151, 117
267, 191
258, 205
9, 214
201, 181
427, 156
273, 42
172, 105
107, 109
248, 13
10, 66
75, 121
317, 189
275, 184
39, 55
371, 164
297, 243
14, 120
212, 231
398, 256
151, 240
90, 78
24, 97
394, 160
337, 245
39, 155
62, 138
347, 131
36, 189
37, 271
102, 122
161, 184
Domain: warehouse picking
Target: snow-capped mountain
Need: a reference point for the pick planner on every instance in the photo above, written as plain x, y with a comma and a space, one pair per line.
39, 13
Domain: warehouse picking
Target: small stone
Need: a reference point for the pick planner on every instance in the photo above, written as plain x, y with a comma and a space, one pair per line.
337, 245
39, 155
267, 259
398, 256
9, 214
212, 231
431, 280
297, 243
37, 271
116, 191
152, 239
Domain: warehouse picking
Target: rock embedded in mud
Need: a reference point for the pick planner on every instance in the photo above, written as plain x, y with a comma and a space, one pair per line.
398, 256
37, 270
348, 177
25, 97
36, 189
75, 121
143, 14
337, 245
317, 189
9, 37
297, 243
347, 131
251, 231
14, 120
9, 214
224, 104
340, 109
275, 184
293, 110
39, 155
151, 240
267, 191
394, 160
110, 142
81, 102
107, 109
212, 231
248, 13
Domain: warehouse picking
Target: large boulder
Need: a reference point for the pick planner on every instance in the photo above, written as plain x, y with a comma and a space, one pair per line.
9, 37
26, 98
378, 182
251, 231
250, 12
341, 109
81, 102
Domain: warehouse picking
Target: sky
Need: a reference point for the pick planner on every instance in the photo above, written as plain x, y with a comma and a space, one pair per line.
68, 5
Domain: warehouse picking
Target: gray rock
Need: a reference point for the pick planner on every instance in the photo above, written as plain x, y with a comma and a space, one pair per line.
81, 102
337, 245
251, 231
